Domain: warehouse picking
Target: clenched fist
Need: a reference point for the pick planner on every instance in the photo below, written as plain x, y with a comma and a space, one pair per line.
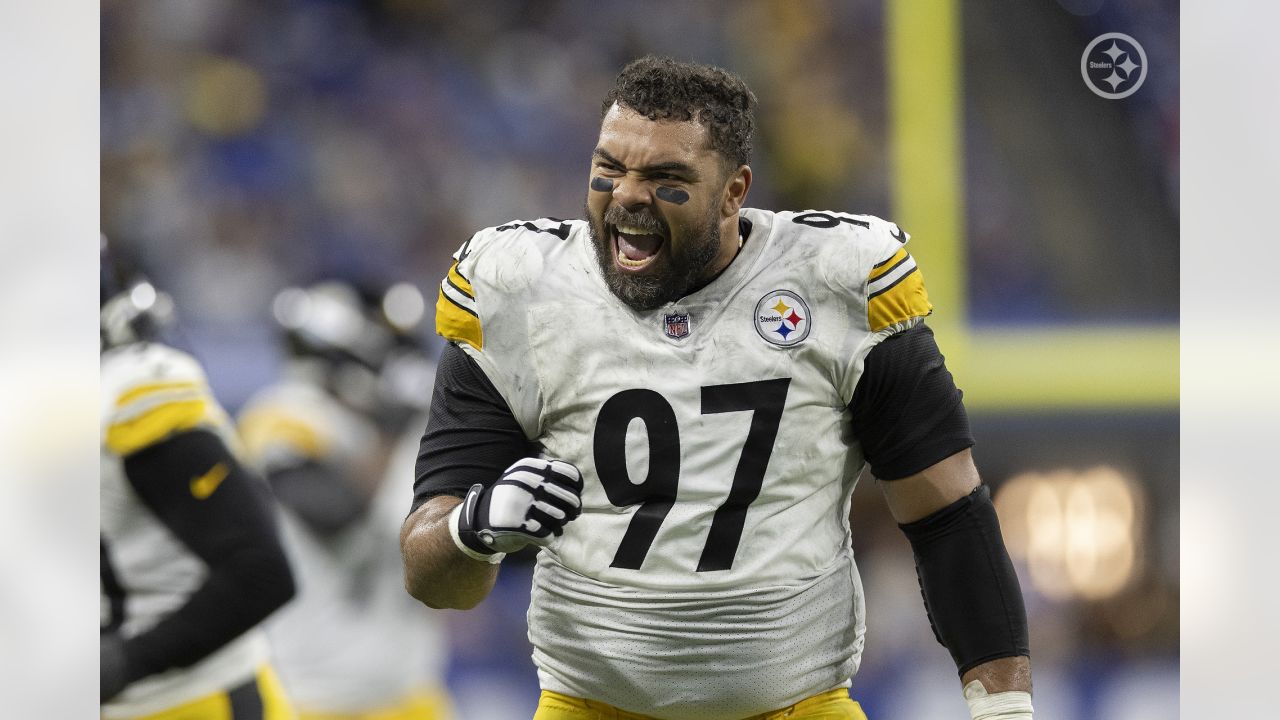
530, 503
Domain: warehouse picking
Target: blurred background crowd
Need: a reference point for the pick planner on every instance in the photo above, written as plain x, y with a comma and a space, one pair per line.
249, 146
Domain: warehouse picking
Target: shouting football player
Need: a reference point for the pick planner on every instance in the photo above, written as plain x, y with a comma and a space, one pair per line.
674, 399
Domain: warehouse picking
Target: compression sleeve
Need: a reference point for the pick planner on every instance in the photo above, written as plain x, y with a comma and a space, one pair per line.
471, 436
970, 589
906, 410
201, 493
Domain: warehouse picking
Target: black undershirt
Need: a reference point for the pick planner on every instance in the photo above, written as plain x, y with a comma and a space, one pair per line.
906, 412
471, 435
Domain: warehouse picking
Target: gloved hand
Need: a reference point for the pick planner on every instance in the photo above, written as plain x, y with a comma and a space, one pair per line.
530, 503
113, 666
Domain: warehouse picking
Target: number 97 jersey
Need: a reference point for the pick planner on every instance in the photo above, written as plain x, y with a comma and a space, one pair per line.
713, 437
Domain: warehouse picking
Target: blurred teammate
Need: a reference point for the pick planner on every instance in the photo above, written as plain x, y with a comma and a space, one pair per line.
674, 398
191, 561
352, 645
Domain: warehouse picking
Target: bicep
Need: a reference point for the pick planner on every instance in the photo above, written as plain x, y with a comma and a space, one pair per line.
909, 417
937, 486
906, 410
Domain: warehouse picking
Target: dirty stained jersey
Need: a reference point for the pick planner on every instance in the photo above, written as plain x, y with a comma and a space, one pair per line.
710, 574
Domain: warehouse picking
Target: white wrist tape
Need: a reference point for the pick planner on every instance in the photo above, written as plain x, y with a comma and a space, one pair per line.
493, 559
1008, 705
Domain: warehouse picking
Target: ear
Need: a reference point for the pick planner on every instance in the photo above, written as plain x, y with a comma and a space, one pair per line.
735, 191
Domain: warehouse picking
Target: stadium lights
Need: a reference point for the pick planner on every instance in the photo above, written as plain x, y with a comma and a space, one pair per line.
1077, 533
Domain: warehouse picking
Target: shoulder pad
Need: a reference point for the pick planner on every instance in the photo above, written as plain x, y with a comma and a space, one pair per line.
499, 260
866, 256
151, 391
896, 295
283, 418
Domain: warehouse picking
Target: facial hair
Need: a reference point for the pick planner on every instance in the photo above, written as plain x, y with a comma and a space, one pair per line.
682, 268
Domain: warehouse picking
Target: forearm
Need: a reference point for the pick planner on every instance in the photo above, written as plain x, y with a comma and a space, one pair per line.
1009, 673
436, 572
239, 593
970, 589
999, 689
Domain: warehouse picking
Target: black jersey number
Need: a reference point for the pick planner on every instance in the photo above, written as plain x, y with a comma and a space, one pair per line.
561, 230
829, 220
765, 399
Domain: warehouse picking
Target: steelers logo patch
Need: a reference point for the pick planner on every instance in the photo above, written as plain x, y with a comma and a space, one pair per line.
782, 318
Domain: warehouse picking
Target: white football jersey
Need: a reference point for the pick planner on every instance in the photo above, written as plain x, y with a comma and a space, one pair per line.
149, 393
710, 574
352, 639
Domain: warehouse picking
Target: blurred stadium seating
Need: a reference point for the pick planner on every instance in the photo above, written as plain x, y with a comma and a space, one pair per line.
246, 146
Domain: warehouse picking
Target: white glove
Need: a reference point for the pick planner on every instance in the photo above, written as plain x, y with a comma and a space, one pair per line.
530, 503
1008, 705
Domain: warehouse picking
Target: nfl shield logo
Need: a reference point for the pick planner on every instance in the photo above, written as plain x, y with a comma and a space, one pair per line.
677, 325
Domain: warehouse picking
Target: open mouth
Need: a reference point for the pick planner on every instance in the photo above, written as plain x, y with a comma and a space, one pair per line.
635, 248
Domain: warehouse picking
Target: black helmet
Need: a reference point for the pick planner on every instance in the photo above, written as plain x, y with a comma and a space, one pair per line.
366, 341
130, 308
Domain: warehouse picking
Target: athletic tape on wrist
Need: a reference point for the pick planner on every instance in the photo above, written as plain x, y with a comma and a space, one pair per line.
1008, 705
492, 559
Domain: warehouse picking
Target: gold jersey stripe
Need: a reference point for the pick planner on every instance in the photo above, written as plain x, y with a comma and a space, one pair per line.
904, 300
460, 282
262, 428
883, 267
129, 436
456, 323
142, 390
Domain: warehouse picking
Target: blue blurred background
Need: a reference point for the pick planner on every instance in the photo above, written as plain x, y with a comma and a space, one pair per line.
249, 145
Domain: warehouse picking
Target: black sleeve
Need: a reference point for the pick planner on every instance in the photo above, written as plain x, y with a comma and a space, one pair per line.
471, 435
971, 592
319, 495
228, 524
907, 411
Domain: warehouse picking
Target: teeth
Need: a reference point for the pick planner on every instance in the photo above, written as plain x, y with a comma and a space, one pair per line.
628, 262
628, 230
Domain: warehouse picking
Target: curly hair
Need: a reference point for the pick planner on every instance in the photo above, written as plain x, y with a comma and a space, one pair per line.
661, 88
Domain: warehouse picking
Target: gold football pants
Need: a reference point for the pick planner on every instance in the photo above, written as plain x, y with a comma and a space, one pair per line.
422, 705
832, 705
259, 699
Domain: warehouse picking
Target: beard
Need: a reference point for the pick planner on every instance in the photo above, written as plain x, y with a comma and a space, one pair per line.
683, 265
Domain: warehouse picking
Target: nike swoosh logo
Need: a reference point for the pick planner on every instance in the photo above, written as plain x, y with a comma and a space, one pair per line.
203, 486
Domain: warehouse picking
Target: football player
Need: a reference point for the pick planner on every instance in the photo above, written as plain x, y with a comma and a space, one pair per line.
674, 399
352, 645
191, 561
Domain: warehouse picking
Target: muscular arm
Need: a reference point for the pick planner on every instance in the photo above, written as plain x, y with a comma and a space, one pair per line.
909, 417
435, 570
471, 437
914, 498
